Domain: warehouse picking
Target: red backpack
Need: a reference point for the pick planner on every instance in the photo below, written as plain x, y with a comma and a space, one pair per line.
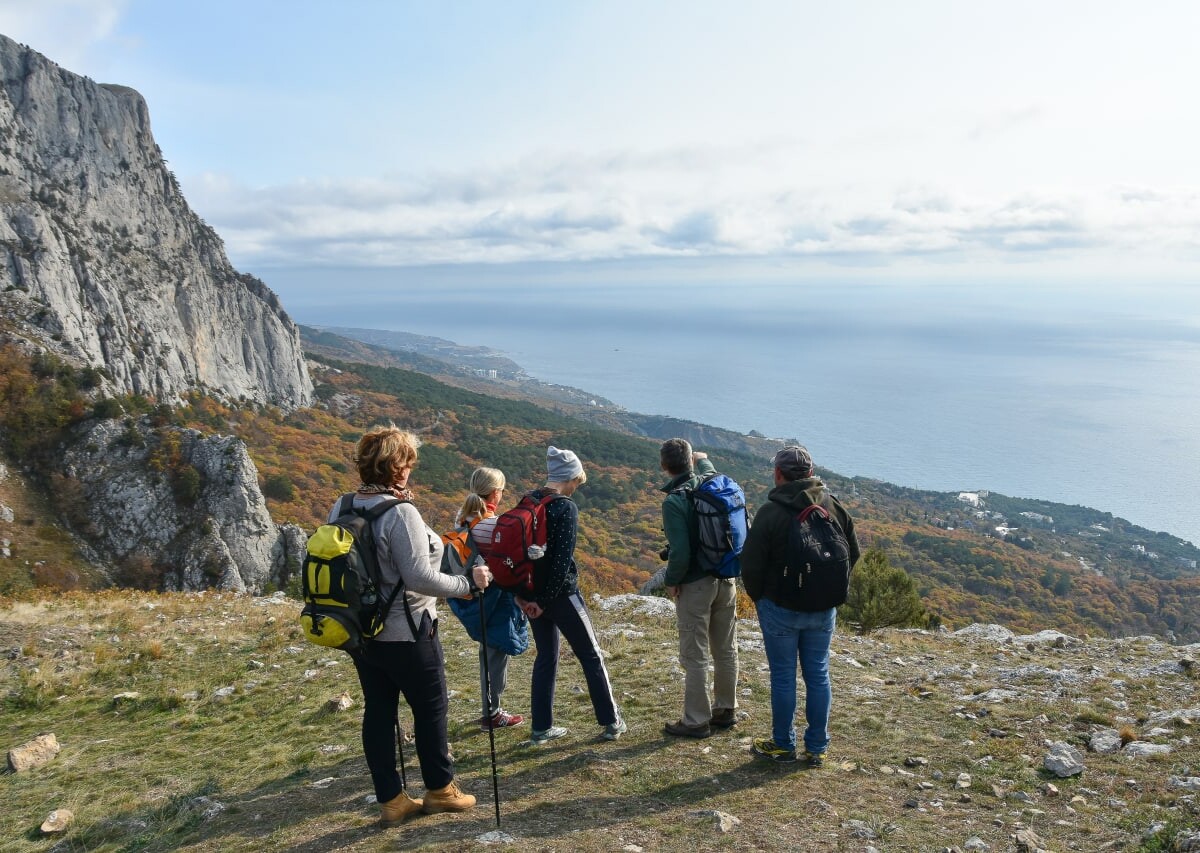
518, 539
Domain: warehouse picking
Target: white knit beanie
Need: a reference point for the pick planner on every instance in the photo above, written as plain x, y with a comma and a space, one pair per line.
561, 465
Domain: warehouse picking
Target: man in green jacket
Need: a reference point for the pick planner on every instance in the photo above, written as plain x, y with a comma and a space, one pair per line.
790, 633
705, 605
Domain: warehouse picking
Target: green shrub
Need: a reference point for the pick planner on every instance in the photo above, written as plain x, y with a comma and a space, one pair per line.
279, 487
881, 596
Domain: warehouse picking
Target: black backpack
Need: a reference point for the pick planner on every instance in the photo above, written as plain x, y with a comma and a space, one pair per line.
816, 574
342, 581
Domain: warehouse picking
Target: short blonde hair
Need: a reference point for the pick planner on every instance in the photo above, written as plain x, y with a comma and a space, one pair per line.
383, 453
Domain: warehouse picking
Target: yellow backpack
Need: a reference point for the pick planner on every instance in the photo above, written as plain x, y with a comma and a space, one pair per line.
342, 584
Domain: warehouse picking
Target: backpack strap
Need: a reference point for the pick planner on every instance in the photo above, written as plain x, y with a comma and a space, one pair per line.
814, 506
372, 515
693, 524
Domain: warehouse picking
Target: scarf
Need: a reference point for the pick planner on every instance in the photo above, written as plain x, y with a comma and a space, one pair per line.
404, 494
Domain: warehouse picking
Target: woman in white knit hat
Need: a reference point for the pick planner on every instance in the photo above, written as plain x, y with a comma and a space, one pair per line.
556, 609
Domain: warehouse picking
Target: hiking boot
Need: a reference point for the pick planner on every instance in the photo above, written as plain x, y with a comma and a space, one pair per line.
398, 809
766, 747
681, 729
501, 720
539, 738
815, 760
723, 718
448, 799
614, 730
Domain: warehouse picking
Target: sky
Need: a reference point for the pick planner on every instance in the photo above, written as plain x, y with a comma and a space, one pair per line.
919, 138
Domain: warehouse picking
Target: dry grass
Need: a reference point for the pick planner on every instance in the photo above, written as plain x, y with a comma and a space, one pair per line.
134, 771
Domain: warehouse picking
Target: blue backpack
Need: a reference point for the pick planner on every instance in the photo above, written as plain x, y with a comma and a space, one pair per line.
721, 524
507, 625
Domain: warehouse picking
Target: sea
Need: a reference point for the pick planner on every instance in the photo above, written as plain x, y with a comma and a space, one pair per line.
1077, 393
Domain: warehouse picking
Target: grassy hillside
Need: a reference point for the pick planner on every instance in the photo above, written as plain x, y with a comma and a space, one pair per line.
1060, 576
1069, 568
200, 722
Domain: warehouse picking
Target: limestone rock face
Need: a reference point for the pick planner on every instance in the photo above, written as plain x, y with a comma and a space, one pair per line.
184, 505
102, 260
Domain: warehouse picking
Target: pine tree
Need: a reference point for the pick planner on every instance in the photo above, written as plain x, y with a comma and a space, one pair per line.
881, 596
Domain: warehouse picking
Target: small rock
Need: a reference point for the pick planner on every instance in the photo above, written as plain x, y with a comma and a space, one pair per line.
1105, 741
963, 780
1141, 749
223, 693
127, 696
1187, 841
916, 761
725, 821
1050, 789
207, 807
1078, 800
1189, 783
860, 829
322, 783
1027, 841
976, 843
498, 837
1153, 830
57, 821
340, 703
1063, 760
35, 753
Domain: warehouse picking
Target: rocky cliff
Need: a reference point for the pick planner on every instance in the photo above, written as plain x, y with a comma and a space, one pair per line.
174, 508
102, 260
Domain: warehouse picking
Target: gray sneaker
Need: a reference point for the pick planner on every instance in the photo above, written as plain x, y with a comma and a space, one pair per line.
538, 738
614, 730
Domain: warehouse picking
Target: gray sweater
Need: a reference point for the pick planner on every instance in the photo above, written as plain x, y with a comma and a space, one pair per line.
408, 549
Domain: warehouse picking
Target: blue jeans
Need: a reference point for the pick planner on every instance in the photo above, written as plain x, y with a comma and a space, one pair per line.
788, 635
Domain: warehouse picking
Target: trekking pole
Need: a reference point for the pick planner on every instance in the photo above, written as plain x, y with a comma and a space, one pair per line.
400, 747
487, 704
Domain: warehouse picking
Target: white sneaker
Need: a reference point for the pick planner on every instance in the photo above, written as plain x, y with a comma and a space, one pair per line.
538, 738
614, 730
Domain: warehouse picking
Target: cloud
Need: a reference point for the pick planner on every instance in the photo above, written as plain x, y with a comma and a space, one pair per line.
66, 31
693, 203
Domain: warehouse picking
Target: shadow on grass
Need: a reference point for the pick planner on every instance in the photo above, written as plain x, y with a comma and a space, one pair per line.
555, 770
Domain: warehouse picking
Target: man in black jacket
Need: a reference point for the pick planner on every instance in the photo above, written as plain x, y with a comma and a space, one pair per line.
789, 633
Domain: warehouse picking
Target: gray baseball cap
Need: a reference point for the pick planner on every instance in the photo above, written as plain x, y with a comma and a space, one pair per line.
795, 461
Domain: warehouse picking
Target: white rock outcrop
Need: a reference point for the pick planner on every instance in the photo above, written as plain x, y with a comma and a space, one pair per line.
187, 504
102, 260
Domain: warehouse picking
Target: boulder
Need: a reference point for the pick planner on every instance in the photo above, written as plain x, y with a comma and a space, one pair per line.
35, 753
1064, 760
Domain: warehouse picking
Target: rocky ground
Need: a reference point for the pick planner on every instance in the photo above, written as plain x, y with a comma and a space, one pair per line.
202, 722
